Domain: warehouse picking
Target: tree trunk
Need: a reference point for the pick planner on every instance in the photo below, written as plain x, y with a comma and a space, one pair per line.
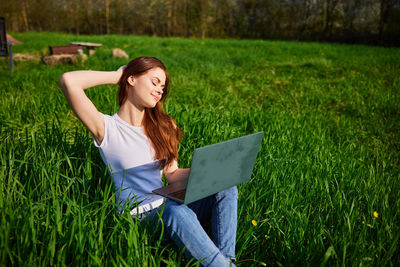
24, 15
385, 7
186, 18
203, 18
169, 17
330, 6
107, 11
306, 12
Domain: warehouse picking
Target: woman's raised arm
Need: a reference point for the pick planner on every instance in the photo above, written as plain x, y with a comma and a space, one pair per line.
73, 85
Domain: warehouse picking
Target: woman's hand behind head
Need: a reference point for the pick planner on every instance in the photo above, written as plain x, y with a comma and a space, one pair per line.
119, 73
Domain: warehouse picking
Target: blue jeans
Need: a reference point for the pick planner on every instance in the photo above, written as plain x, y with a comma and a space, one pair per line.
184, 224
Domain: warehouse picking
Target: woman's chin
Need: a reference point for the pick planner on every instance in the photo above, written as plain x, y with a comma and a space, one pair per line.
151, 105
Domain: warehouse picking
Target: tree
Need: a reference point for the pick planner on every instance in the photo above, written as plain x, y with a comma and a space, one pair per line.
385, 7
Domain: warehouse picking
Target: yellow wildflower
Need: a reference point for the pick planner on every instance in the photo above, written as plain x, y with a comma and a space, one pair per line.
254, 222
375, 214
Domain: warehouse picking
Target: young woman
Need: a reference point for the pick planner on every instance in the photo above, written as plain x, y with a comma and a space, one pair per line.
139, 142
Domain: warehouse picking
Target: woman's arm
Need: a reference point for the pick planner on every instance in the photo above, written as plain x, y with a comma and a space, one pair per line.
73, 85
174, 174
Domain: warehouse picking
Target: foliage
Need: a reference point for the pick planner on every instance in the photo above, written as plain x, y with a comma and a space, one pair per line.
354, 21
325, 188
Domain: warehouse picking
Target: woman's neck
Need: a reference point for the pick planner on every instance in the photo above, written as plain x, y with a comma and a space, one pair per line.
131, 113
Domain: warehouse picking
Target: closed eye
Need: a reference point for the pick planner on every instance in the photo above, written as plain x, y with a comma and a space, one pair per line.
157, 81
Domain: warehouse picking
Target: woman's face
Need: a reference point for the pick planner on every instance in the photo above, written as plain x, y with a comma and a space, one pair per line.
147, 89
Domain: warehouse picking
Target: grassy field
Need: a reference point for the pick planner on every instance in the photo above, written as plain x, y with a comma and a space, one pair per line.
325, 189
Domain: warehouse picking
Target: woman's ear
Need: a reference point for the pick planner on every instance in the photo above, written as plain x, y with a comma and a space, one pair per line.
131, 80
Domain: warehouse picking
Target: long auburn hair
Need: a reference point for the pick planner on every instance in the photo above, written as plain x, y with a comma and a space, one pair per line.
159, 127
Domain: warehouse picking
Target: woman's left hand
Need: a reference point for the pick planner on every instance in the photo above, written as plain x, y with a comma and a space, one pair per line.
119, 72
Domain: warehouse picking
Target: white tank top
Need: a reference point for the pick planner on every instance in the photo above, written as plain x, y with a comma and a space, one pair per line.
129, 157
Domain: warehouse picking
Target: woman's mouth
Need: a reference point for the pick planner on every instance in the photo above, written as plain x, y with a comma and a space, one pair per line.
156, 98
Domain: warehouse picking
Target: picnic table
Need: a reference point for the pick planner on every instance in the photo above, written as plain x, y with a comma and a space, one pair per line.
66, 49
90, 46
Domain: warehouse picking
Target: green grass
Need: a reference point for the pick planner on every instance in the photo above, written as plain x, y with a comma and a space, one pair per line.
329, 157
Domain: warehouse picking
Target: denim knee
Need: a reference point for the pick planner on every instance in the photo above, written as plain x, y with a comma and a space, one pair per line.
231, 193
176, 214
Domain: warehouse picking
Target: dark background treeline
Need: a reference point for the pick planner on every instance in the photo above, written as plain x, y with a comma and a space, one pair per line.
351, 21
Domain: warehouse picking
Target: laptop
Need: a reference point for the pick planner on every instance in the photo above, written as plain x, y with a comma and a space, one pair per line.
215, 168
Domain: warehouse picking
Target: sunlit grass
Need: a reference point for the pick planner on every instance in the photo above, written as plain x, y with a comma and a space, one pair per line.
325, 188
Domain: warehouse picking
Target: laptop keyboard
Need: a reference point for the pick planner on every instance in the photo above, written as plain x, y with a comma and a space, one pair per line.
178, 194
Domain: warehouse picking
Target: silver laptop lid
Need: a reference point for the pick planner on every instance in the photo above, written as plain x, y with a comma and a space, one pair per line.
220, 166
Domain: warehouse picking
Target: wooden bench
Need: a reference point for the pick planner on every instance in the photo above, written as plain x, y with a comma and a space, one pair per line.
66, 49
